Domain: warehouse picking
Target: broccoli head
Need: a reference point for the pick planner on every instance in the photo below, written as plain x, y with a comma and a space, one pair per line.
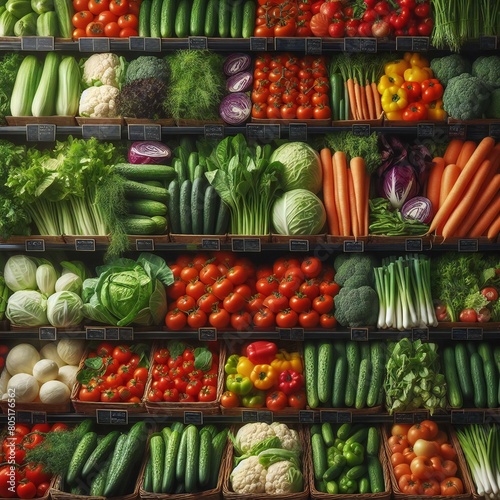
356, 306
466, 97
357, 280
493, 110
146, 67
487, 68
447, 67
357, 264
340, 259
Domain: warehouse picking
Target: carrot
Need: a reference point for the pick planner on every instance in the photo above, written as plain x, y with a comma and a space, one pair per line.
364, 105
434, 182
340, 166
352, 205
494, 157
482, 151
336, 192
369, 101
358, 169
376, 98
486, 218
352, 98
465, 153
329, 192
452, 151
366, 209
488, 192
494, 229
448, 179
468, 199
357, 93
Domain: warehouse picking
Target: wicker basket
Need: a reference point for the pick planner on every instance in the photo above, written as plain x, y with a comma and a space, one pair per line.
462, 472
178, 409
90, 407
319, 495
229, 494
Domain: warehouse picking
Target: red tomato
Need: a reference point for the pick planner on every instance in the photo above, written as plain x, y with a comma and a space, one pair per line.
422, 467
107, 17
311, 267
400, 429
178, 287
78, 33
241, 320
276, 401
309, 319
118, 7
264, 318
397, 458
98, 6
427, 429
209, 274
112, 381
186, 303
276, 302
431, 487
319, 25
287, 318
189, 273
288, 286
42, 488
448, 452
229, 400
300, 302
424, 448
234, 302
410, 485
310, 288
89, 393
110, 396
21, 429
155, 395
323, 304
193, 387
161, 355
175, 319
95, 29
328, 320
33, 439
122, 354
322, 112
222, 287
128, 21
82, 18
452, 486
80, 5
207, 393
490, 293
141, 374
397, 443
197, 318
135, 387
401, 470
58, 427
26, 489
195, 288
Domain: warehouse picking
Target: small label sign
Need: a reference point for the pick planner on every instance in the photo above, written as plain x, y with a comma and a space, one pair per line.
126, 333
24, 417
112, 333
494, 131
414, 245
361, 130
144, 132
360, 45
265, 416
93, 44
145, 245
34, 245
245, 244
40, 132
85, 245
475, 333
475, 417
344, 417
420, 334
210, 244
214, 132
102, 132
328, 416
403, 418
488, 42
36, 43
112, 417
420, 44
459, 333
296, 334
95, 333
258, 44
47, 333
420, 416
404, 43
297, 132
306, 416
425, 130
359, 334
193, 417
197, 43
468, 245
457, 131
263, 132
298, 245
142, 44
249, 416
207, 334
351, 246
39, 417
458, 417
314, 46
290, 44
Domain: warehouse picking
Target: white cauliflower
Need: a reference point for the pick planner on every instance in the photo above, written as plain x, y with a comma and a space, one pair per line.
104, 69
289, 437
251, 434
249, 477
282, 478
99, 102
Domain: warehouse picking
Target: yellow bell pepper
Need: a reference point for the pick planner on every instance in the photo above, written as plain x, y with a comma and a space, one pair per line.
435, 111
244, 366
390, 80
399, 66
417, 74
394, 99
416, 59
394, 115
287, 361
264, 377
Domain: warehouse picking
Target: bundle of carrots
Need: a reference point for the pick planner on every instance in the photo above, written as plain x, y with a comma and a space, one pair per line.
345, 193
464, 189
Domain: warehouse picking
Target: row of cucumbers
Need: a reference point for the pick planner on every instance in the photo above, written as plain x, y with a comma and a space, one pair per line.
107, 466
184, 459
344, 374
183, 18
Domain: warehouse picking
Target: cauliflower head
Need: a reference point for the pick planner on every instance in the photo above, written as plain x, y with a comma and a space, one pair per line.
251, 434
104, 69
283, 477
99, 102
289, 437
249, 477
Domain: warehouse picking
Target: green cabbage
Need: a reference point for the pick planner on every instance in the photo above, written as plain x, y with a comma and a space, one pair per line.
64, 309
302, 166
20, 273
69, 282
298, 213
27, 308
46, 277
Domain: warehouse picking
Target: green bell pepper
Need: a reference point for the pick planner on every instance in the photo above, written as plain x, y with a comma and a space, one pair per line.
238, 384
354, 454
347, 486
231, 364
255, 399
331, 454
332, 487
339, 444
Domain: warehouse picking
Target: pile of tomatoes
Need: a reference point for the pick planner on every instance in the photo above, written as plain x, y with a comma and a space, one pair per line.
19, 479
223, 290
423, 460
114, 374
176, 379
109, 18
288, 87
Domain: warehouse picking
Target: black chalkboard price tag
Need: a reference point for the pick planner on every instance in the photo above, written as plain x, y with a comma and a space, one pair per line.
126, 333
298, 245
214, 131
112, 417
420, 334
193, 417
420, 43
329, 416
39, 417
265, 416
355, 44
314, 46
198, 43
102, 132
144, 44
468, 245
306, 416
262, 132
40, 132
34, 245
459, 333
361, 130
258, 44
425, 130
85, 245
344, 417
95, 333
457, 131
414, 245
112, 333
249, 416
282, 44
246, 245
150, 132
359, 334
47, 333
351, 246
37, 43
24, 417
475, 333
207, 334
210, 244
144, 245
488, 42
403, 418
297, 132
494, 131
97, 44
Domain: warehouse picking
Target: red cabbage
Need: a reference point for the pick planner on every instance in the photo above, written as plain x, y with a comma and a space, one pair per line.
400, 184
235, 108
149, 152
241, 82
418, 208
236, 62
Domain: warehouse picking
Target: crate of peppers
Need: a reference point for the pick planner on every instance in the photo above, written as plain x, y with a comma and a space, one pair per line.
264, 376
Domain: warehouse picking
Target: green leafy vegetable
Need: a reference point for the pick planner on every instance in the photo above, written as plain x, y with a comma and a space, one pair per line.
202, 359
9, 65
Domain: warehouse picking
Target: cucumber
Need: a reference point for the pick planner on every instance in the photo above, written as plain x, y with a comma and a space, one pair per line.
336, 92
185, 207
358, 436
100, 453
373, 442
339, 377
224, 18
64, 12
326, 365
210, 207
99, 481
197, 23
249, 10
327, 433
144, 27
344, 431
223, 217
218, 446
192, 459
169, 471
353, 361
490, 374
180, 462
311, 374
167, 18
204, 459
210, 428
478, 381
139, 224
147, 207
181, 25
471, 348
83, 427
462, 361
157, 450
82, 452
197, 203
364, 486
320, 462
154, 19
375, 475
236, 25
453, 390
173, 205
148, 477
192, 164
334, 471
377, 356
363, 384
357, 472
178, 426
145, 172
134, 189
199, 172
496, 357
211, 18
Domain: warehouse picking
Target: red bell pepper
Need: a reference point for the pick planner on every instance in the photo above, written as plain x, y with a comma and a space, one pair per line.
261, 352
291, 381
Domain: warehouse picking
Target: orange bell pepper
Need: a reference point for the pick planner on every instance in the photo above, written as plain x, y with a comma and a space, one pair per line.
264, 377
285, 360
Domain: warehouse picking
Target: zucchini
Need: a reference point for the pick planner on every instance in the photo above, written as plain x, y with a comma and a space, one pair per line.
157, 450
180, 463
174, 206
336, 92
181, 25
204, 459
81, 454
478, 380
139, 224
64, 11
167, 18
326, 365
363, 384
197, 22
144, 26
197, 203
134, 189
377, 357
249, 10
223, 217
185, 207
236, 25
210, 208
25, 85
192, 164
192, 459
224, 18
169, 471
490, 374
147, 172
454, 392
311, 374
320, 462
353, 361
99, 481
218, 446
147, 207
211, 18
154, 19
100, 453
44, 100
462, 361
